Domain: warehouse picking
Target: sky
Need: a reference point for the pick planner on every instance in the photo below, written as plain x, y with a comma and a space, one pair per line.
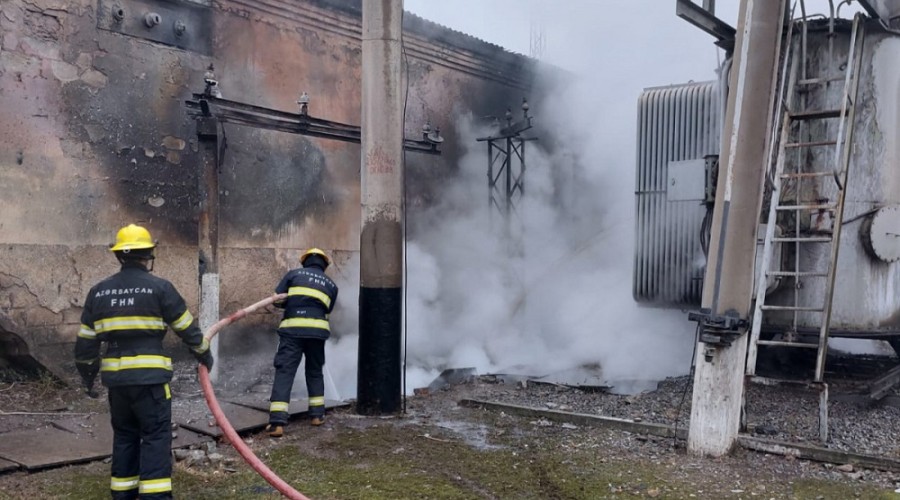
633, 29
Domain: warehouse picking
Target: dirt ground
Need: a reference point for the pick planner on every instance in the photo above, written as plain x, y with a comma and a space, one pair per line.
439, 449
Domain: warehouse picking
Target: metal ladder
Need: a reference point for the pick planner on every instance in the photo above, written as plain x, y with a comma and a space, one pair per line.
792, 139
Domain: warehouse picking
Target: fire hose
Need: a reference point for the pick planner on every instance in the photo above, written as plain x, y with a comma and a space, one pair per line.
223, 423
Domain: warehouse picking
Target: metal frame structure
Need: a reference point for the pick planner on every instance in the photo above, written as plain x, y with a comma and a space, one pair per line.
506, 166
704, 17
211, 105
795, 139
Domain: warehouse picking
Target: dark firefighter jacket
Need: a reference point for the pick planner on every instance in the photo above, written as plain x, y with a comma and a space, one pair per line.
129, 311
311, 298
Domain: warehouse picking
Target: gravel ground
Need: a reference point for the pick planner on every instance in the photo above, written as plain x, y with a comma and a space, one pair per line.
783, 412
660, 406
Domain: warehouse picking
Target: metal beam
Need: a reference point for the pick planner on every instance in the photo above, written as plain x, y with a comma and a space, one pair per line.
227, 111
881, 386
869, 8
884, 10
706, 21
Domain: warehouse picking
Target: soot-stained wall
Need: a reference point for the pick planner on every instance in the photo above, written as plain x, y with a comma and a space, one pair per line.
94, 135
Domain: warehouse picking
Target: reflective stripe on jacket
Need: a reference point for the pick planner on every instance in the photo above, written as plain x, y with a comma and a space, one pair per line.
131, 311
311, 298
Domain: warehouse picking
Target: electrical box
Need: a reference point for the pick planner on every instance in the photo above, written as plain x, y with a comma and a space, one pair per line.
686, 180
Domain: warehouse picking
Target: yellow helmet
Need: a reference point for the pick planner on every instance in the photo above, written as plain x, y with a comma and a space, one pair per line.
132, 237
314, 251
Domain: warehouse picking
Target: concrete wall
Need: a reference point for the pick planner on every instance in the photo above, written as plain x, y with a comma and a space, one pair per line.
94, 135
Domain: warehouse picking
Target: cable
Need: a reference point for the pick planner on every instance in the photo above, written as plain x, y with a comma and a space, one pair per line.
688, 384
706, 229
403, 211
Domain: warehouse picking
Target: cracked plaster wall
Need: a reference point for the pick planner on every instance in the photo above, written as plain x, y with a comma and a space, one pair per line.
94, 135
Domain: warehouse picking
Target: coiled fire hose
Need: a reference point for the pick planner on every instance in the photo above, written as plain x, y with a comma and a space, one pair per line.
223, 423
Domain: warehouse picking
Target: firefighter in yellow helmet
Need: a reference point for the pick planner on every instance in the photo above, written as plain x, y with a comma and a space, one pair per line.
303, 331
130, 311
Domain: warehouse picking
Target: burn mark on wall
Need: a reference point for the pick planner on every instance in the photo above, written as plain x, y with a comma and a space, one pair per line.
134, 126
272, 180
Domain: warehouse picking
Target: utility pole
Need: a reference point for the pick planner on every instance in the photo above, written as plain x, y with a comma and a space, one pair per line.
381, 237
728, 288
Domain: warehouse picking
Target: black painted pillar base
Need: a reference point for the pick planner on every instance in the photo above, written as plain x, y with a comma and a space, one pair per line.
378, 379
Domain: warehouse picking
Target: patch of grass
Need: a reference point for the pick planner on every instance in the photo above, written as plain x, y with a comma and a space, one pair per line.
397, 461
828, 490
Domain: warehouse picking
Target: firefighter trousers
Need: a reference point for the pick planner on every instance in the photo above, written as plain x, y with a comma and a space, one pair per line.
290, 351
141, 418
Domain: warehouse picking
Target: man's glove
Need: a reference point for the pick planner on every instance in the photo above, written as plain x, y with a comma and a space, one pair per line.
89, 388
206, 358
88, 375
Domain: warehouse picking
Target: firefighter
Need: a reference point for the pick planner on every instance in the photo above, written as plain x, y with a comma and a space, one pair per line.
303, 331
129, 311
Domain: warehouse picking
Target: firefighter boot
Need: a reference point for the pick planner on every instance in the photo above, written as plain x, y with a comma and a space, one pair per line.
274, 430
317, 421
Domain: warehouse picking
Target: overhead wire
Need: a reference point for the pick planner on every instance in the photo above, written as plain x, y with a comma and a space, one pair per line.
689, 383
403, 212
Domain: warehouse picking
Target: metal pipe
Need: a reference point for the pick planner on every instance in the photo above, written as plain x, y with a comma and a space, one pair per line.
379, 380
208, 228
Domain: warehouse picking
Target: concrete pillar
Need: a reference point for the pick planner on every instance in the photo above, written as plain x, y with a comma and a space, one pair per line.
208, 231
728, 285
381, 237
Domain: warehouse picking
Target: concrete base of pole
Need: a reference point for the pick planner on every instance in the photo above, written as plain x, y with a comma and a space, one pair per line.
716, 414
379, 379
209, 315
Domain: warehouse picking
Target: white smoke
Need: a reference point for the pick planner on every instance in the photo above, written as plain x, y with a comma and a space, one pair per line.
565, 300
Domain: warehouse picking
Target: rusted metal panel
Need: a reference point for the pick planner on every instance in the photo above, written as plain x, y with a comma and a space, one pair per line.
178, 23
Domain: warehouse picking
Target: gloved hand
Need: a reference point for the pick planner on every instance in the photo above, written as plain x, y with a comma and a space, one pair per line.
89, 388
206, 359
88, 375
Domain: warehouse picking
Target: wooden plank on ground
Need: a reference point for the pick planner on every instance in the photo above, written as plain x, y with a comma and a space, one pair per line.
801, 451
807, 452
49, 447
881, 386
242, 418
6, 465
579, 418
297, 407
186, 438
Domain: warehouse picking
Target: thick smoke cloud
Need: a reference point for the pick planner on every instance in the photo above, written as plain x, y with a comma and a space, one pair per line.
565, 300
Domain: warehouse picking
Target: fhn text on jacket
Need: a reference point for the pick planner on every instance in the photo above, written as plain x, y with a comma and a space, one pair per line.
130, 311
